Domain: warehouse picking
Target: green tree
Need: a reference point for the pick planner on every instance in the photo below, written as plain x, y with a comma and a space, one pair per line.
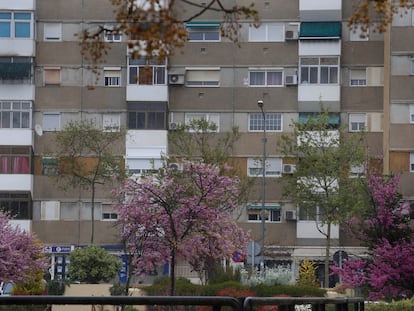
93, 264
87, 159
321, 185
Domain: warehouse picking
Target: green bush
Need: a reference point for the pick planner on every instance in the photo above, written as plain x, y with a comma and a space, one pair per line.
212, 289
401, 305
56, 287
183, 287
220, 275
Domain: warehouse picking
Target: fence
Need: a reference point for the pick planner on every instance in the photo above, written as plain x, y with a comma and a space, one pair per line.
216, 302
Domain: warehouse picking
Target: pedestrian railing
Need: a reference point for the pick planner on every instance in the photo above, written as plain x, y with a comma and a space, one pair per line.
215, 302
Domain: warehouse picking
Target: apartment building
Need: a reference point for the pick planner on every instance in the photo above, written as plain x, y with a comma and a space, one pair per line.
302, 54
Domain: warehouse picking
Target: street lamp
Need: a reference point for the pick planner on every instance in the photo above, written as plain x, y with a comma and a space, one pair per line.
260, 104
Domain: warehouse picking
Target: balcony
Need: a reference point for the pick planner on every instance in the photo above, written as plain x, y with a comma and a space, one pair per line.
28, 5
16, 182
147, 93
320, 10
20, 47
16, 137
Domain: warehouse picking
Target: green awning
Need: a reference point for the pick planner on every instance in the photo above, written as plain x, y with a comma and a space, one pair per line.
15, 70
268, 207
310, 30
202, 24
50, 161
333, 118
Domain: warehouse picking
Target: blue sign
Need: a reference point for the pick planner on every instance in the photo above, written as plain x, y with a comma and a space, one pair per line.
57, 249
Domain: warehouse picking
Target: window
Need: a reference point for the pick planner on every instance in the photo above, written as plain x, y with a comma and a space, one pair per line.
267, 32
411, 161
52, 75
411, 113
15, 114
357, 122
16, 24
52, 32
15, 160
271, 213
51, 121
140, 166
311, 214
151, 116
356, 171
144, 72
203, 77
209, 117
108, 212
358, 77
15, 70
319, 70
203, 31
18, 204
273, 122
266, 78
112, 37
50, 210
273, 167
112, 76
50, 166
111, 122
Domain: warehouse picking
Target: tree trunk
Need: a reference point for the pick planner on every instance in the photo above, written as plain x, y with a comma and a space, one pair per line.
172, 273
327, 257
93, 214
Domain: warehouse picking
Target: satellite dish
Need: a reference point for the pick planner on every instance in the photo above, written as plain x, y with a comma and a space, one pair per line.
38, 130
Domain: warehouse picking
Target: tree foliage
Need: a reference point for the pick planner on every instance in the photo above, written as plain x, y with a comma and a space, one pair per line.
180, 214
321, 185
21, 256
87, 158
376, 14
385, 228
156, 28
307, 274
93, 264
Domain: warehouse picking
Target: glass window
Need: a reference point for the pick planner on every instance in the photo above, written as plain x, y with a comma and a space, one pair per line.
143, 72
52, 31
323, 70
201, 34
273, 167
18, 204
358, 77
15, 160
112, 76
357, 122
15, 114
205, 78
5, 25
52, 75
273, 122
411, 161
267, 32
147, 116
212, 118
51, 121
266, 78
15, 24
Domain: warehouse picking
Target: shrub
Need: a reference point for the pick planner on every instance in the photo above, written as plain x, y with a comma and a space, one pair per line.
307, 274
289, 290
401, 305
274, 276
212, 289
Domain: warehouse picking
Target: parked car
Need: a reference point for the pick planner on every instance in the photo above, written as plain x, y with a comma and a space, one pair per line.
6, 288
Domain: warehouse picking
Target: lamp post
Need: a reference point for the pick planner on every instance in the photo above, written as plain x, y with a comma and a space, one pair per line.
260, 104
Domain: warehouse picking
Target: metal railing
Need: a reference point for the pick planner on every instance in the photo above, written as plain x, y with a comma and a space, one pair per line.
216, 302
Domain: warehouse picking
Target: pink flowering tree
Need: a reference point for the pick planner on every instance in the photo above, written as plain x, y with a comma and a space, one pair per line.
387, 272
21, 254
180, 214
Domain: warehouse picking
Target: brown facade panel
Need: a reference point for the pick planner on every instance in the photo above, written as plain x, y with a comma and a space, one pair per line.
406, 184
402, 39
374, 143
280, 234
401, 88
402, 136
367, 53
58, 54
361, 99
59, 9
105, 98
55, 98
267, 54
251, 144
76, 232
279, 99
399, 161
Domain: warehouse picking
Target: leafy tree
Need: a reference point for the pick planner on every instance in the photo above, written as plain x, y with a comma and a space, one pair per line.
155, 28
386, 230
321, 185
21, 256
376, 14
93, 264
88, 159
307, 274
186, 214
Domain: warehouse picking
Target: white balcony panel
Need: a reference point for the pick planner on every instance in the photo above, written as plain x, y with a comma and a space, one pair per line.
17, 91
17, 47
28, 5
319, 48
320, 10
146, 138
147, 93
25, 225
308, 230
319, 93
16, 182
16, 137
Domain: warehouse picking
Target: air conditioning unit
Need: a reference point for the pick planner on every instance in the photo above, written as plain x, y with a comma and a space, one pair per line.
176, 79
173, 126
289, 168
291, 35
175, 166
291, 80
290, 215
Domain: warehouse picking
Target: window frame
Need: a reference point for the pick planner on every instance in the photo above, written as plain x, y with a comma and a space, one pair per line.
208, 81
52, 32
266, 73
112, 73
204, 31
52, 76
267, 32
356, 119
273, 167
51, 168
360, 82
20, 197
317, 66
13, 24
411, 162
411, 109
14, 112
256, 124
140, 66
209, 117
57, 115
15, 160
271, 215
145, 110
